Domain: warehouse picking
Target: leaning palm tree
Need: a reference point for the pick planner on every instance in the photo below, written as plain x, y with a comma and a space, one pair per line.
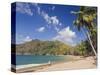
85, 22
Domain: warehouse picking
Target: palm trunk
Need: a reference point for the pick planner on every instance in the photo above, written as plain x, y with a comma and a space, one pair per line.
88, 35
90, 41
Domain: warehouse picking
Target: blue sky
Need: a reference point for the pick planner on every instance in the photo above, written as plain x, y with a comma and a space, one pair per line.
46, 22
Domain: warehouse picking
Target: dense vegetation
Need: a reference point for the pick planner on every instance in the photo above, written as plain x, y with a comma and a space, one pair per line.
37, 47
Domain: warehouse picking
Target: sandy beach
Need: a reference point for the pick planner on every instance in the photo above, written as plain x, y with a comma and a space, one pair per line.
82, 63
78, 62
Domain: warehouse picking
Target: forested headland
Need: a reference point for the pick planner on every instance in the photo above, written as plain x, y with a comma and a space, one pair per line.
38, 47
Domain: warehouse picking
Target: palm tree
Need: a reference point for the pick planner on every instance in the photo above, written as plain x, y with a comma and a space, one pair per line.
85, 22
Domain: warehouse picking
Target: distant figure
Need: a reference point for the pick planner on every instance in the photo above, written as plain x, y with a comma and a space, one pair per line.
49, 62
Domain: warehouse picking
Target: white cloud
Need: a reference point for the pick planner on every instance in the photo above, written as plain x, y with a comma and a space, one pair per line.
37, 8
24, 8
67, 32
54, 20
60, 24
22, 39
53, 7
66, 35
50, 19
27, 38
46, 17
41, 29
56, 28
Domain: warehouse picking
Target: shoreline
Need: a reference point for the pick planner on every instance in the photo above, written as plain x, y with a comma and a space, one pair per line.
78, 62
84, 63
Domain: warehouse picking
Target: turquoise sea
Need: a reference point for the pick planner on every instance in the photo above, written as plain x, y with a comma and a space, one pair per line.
31, 59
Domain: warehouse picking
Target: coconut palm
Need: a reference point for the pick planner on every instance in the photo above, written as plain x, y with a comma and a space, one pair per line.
85, 22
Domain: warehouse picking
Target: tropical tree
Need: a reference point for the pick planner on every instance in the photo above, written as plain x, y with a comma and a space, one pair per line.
86, 22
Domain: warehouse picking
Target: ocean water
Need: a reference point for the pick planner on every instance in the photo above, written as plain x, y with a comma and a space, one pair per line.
31, 59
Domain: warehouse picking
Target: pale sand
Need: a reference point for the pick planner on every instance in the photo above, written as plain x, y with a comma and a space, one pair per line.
82, 63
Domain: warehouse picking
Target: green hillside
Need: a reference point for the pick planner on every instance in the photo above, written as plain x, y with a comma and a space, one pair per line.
37, 47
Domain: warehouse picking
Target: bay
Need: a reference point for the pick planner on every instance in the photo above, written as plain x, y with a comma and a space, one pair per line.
31, 59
